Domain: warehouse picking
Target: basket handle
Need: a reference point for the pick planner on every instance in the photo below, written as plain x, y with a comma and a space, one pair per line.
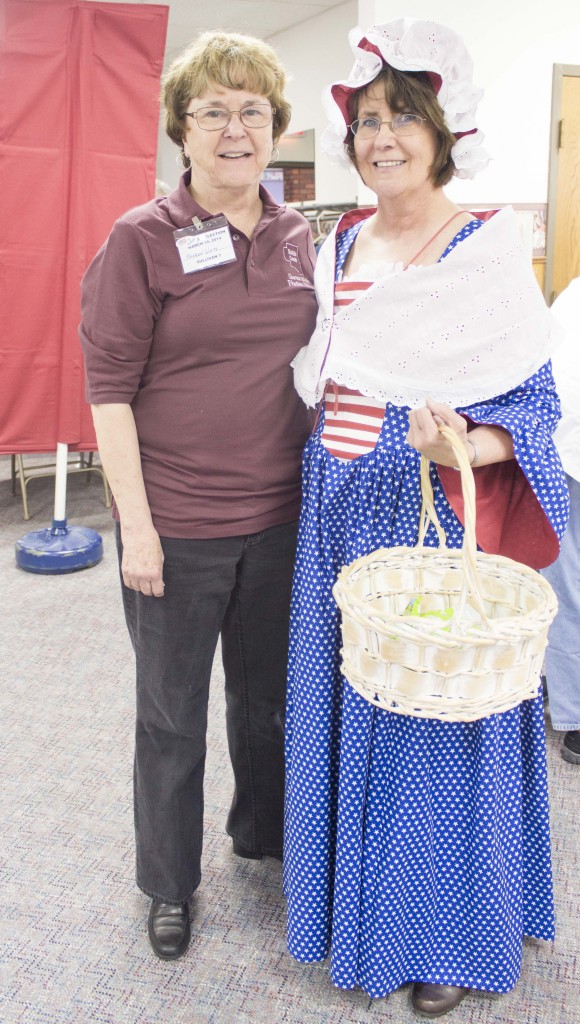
429, 515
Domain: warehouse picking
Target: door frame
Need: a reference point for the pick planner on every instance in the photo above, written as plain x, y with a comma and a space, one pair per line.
559, 72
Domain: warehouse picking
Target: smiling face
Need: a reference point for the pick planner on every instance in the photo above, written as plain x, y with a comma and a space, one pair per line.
232, 158
392, 165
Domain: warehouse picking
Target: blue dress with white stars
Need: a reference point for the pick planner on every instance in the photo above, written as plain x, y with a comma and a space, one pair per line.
415, 850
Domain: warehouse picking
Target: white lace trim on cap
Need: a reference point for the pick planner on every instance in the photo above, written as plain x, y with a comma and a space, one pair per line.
410, 44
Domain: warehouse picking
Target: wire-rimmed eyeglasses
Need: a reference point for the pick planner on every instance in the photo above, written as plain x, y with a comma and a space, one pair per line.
215, 119
402, 124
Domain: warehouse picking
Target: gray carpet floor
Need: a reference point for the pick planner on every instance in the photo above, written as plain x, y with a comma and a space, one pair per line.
74, 948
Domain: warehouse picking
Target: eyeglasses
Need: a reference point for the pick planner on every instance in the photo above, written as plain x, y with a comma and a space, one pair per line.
215, 119
402, 124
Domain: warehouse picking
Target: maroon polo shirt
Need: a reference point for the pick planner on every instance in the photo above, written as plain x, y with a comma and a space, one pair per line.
204, 361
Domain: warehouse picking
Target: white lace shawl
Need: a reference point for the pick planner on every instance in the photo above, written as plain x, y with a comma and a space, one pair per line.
461, 331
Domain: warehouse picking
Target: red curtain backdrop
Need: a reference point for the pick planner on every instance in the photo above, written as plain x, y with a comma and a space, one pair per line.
79, 87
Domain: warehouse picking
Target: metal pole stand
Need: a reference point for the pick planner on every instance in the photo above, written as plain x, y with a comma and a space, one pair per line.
60, 548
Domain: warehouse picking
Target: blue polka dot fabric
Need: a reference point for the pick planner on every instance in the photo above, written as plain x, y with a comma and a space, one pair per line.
415, 850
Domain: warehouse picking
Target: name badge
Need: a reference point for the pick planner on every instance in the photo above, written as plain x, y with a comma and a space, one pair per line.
207, 243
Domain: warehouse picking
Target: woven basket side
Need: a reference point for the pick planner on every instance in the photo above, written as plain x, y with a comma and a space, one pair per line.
440, 708
362, 646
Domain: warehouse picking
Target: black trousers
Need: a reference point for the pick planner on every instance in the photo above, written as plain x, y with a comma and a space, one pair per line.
238, 587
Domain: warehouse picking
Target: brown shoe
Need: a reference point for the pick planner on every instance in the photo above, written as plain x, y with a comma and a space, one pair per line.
435, 1000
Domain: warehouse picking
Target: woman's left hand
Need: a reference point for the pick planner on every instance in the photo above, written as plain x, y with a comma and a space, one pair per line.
424, 431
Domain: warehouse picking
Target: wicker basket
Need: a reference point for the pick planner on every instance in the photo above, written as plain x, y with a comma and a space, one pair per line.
477, 645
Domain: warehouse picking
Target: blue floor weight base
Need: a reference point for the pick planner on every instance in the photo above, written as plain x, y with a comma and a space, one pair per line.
59, 549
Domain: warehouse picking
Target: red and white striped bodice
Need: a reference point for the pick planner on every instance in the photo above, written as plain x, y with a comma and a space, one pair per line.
352, 421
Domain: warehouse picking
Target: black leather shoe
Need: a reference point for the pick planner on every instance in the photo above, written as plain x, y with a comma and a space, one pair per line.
168, 929
571, 747
435, 1000
244, 851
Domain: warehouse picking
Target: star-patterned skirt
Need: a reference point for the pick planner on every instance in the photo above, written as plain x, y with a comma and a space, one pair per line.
415, 850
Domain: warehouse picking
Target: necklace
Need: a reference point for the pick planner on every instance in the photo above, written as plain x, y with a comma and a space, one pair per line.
432, 239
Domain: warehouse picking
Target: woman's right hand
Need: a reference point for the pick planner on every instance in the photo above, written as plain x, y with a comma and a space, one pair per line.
142, 562
424, 432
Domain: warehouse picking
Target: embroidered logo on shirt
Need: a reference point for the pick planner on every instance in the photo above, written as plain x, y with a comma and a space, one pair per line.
296, 277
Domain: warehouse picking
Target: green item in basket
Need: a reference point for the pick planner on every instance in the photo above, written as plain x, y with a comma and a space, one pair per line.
445, 615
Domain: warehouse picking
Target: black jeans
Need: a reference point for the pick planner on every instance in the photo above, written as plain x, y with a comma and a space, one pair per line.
239, 587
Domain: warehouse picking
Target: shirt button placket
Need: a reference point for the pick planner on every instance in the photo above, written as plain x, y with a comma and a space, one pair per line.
251, 265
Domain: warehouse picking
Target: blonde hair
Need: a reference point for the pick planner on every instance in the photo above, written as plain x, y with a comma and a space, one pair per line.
232, 61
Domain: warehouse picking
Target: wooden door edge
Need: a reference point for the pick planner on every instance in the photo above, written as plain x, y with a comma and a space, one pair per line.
559, 71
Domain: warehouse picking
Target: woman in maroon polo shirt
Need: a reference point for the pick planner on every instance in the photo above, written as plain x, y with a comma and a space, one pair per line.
192, 312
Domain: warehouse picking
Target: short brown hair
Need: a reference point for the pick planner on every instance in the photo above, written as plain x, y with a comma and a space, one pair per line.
411, 91
228, 59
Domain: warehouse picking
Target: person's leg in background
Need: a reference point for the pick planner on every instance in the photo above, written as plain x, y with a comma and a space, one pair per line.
254, 651
562, 661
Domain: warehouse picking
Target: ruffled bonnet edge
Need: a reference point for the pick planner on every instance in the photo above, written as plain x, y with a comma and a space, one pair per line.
410, 44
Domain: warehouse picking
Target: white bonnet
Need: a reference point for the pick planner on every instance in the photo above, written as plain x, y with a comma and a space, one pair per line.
409, 44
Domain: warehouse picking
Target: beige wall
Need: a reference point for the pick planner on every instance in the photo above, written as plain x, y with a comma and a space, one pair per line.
313, 54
